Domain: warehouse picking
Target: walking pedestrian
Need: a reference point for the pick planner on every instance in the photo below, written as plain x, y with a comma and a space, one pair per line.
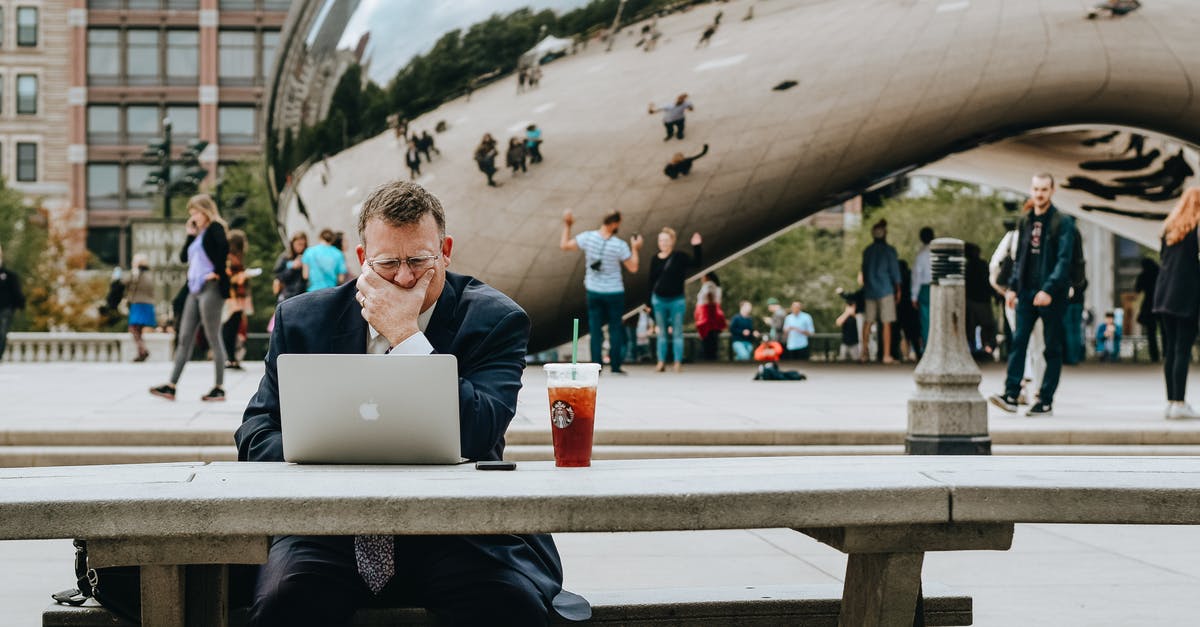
533, 143
710, 320
674, 115
668, 271
12, 298
922, 278
289, 269
979, 304
1146, 281
140, 295
412, 157
515, 156
1038, 290
1000, 273
798, 328
427, 145
1177, 299
605, 254
742, 334
206, 252
485, 158
238, 306
881, 289
324, 265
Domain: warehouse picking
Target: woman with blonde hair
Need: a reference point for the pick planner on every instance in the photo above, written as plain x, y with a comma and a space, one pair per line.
1177, 298
206, 253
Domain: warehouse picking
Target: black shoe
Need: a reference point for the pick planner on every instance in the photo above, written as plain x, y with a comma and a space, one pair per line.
1041, 409
216, 394
620, 372
1004, 402
165, 391
233, 365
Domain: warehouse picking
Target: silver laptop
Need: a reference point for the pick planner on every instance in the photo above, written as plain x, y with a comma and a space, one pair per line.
369, 409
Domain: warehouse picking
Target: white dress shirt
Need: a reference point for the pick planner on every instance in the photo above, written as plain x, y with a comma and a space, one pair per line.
416, 344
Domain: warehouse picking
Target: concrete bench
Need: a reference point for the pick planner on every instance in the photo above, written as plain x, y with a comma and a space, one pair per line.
752, 606
185, 522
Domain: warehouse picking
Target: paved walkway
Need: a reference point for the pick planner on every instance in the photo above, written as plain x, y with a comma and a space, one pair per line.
1054, 575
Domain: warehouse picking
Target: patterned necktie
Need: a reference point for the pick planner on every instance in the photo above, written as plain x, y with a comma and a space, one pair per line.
376, 559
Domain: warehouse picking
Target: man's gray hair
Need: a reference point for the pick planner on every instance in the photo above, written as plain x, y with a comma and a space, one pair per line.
400, 203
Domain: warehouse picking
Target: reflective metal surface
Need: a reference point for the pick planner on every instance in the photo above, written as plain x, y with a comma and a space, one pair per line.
800, 102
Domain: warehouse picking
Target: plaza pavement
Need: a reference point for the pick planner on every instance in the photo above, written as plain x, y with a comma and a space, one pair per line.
1054, 574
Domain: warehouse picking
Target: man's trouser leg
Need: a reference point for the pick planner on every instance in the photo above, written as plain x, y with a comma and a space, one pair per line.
1074, 334
1026, 317
615, 305
595, 307
923, 303
6, 316
1052, 317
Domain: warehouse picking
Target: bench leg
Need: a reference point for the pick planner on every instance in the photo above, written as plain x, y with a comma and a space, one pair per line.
881, 589
162, 596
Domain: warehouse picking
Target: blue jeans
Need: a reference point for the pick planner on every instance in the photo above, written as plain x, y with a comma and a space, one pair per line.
668, 312
743, 350
923, 304
1052, 330
606, 309
1074, 334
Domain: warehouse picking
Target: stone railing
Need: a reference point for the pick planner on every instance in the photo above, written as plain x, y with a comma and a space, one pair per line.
83, 347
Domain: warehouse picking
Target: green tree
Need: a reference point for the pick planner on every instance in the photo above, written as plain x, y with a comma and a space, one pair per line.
22, 238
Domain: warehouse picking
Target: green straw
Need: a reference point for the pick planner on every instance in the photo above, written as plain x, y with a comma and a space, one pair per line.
574, 346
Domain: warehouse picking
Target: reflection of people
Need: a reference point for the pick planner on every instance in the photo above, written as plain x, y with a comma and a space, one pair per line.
706, 36
674, 115
533, 143
485, 158
515, 156
140, 295
412, 157
1038, 290
289, 269
406, 302
681, 165
324, 265
1177, 299
1113, 8
206, 253
606, 254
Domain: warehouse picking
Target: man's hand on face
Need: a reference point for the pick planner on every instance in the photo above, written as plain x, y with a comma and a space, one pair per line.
1042, 299
390, 307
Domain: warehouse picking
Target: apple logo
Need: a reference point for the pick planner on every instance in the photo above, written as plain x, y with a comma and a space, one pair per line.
369, 410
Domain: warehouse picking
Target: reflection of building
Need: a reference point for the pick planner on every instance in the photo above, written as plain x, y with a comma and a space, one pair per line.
34, 76
203, 64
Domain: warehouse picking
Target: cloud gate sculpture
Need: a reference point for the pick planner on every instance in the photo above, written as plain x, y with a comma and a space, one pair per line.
800, 102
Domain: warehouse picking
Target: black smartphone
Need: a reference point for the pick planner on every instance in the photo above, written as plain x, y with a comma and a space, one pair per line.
495, 465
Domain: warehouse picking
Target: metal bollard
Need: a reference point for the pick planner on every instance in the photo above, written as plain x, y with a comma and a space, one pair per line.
947, 415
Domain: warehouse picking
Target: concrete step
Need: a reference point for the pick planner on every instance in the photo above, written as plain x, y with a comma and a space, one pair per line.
30, 456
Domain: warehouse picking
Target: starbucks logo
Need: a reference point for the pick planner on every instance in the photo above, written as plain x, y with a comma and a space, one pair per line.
561, 414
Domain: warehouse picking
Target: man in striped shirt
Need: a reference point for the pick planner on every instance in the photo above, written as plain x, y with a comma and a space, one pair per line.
605, 254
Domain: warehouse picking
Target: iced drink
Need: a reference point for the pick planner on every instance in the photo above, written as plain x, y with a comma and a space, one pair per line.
572, 390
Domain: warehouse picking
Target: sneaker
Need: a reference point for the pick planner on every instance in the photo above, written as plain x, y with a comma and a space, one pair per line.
660, 367
1004, 402
165, 390
1182, 411
1169, 412
678, 367
141, 357
1040, 409
620, 372
233, 365
216, 394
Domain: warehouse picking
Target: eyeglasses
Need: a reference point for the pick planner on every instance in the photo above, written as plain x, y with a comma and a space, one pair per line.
388, 267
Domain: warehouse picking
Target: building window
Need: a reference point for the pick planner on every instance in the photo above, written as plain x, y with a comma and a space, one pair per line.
236, 5
27, 94
104, 56
104, 124
141, 57
270, 41
26, 162
183, 57
183, 5
104, 4
185, 122
103, 186
27, 26
137, 193
236, 58
236, 125
141, 124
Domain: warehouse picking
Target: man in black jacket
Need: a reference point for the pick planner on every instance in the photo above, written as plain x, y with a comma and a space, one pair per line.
11, 299
405, 302
1038, 288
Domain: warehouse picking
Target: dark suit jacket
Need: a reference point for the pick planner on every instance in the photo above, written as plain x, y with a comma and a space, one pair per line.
480, 326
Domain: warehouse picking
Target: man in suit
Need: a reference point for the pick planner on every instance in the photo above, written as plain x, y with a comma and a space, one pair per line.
406, 302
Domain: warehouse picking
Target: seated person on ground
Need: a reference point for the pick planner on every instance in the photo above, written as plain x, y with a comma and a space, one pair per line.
767, 355
681, 165
406, 302
1108, 339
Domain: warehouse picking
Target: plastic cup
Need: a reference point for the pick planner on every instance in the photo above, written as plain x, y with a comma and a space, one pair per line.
572, 390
